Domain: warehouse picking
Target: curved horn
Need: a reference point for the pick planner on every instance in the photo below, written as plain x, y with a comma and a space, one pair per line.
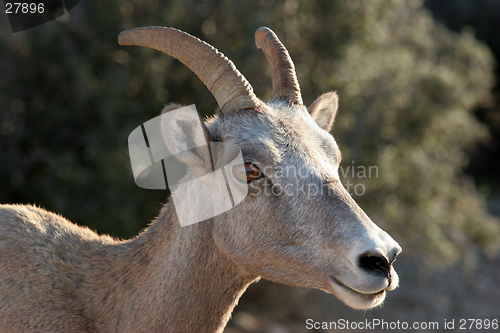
285, 83
231, 90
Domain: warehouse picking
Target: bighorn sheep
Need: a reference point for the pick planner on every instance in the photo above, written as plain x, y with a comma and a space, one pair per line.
59, 277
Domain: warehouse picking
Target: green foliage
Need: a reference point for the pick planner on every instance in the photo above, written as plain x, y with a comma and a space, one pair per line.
70, 95
410, 86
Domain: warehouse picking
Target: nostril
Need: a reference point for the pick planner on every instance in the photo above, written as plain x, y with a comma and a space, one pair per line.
375, 263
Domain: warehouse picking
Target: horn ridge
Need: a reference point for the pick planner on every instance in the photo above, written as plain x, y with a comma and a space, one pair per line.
229, 87
285, 84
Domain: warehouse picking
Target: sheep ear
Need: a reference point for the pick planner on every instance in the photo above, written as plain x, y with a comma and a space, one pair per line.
324, 109
187, 137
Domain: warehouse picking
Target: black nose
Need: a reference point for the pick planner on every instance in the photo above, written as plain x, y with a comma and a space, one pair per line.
375, 263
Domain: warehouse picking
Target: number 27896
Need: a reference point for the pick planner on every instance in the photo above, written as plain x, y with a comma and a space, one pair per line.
24, 8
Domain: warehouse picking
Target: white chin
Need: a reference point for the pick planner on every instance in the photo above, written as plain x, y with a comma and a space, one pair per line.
355, 299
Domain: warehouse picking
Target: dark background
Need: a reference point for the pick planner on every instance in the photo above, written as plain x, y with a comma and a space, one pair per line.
483, 17
418, 100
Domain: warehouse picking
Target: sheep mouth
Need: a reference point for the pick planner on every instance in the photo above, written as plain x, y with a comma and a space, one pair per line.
345, 286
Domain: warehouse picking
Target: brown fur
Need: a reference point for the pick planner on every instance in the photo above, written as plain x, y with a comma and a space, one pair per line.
58, 277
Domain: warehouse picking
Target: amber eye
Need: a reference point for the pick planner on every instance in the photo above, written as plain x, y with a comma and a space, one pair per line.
246, 172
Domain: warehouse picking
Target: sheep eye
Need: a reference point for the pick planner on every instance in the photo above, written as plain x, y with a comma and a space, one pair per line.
246, 172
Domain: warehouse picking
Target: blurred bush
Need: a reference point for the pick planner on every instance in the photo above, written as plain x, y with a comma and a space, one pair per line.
70, 95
